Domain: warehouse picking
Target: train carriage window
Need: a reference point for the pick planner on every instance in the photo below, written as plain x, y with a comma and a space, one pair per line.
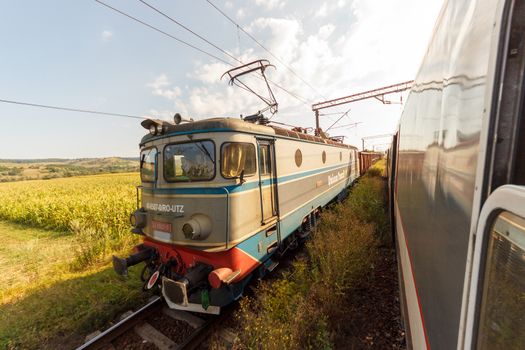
340, 156
190, 161
298, 158
501, 324
237, 157
148, 171
324, 157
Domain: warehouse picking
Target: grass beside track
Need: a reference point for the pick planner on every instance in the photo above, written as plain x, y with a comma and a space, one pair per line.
43, 304
309, 307
56, 237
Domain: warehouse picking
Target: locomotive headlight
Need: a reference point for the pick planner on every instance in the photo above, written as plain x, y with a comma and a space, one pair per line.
138, 219
188, 230
197, 228
160, 129
153, 129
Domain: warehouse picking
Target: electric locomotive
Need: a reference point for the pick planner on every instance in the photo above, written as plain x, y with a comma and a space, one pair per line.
221, 197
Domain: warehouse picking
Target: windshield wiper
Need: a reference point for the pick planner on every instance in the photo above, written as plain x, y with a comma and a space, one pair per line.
203, 149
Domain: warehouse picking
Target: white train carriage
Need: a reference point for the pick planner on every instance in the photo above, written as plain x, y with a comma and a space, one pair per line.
457, 182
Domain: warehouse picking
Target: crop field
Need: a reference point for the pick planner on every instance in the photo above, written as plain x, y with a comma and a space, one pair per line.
36, 169
93, 208
56, 276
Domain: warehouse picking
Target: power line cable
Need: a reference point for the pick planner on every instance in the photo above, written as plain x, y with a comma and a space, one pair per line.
337, 121
219, 48
191, 31
352, 125
162, 32
264, 48
329, 114
70, 109
294, 95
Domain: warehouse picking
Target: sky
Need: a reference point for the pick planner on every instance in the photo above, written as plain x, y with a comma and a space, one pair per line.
83, 55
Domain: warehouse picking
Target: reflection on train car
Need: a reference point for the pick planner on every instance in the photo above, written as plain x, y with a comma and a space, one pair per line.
454, 165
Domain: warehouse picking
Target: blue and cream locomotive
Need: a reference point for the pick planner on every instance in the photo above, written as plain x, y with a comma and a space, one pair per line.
220, 197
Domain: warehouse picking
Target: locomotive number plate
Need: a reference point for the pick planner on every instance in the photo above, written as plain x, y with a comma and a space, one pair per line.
161, 226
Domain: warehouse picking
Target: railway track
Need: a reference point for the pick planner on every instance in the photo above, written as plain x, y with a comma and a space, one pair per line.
155, 326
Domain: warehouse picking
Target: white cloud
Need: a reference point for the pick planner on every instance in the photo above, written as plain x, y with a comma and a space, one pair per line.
326, 30
270, 4
370, 45
211, 73
322, 11
106, 35
160, 88
240, 14
284, 36
329, 8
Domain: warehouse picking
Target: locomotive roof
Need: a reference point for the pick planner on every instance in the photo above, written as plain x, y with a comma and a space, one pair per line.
234, 124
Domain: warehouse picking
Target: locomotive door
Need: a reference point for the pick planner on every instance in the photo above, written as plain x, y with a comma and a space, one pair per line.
267, 180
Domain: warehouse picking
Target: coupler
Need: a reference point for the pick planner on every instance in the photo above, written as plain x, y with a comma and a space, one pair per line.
120, 265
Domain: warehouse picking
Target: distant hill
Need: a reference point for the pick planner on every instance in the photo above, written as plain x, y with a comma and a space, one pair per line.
49, 168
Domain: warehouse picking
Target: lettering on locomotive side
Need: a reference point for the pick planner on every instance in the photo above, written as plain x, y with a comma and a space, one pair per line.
166, 208
333, 179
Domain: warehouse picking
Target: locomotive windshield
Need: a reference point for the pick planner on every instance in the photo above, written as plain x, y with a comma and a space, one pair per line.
147, 165
192, 161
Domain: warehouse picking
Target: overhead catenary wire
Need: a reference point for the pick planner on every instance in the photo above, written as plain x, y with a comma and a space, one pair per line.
218, 48
71, 109
264, 48
294, 95
337, 121
191, 31
329, 114
162, 32
349, 126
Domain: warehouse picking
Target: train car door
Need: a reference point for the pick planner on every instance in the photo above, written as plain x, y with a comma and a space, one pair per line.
267, 180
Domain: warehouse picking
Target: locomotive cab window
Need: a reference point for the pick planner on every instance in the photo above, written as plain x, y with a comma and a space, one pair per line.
148, 165
237, 157
190, 161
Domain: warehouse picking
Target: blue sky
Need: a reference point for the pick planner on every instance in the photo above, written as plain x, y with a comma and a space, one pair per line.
81, 54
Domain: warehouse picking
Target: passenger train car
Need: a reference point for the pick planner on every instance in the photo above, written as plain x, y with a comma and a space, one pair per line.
457, 182
221, 197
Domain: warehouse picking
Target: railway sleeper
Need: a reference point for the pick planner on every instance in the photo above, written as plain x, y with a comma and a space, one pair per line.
152, 335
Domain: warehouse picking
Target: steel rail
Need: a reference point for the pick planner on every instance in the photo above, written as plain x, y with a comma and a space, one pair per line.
189, 343
121, 327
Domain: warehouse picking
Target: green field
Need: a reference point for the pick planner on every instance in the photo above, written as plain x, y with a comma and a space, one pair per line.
57, 235
44, 169
94, 208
